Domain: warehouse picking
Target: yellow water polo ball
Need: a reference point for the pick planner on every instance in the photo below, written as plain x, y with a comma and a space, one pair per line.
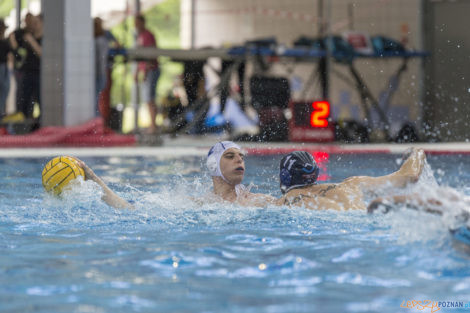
59, 172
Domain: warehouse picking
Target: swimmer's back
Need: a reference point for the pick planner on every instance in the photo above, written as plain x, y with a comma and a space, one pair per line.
325, 196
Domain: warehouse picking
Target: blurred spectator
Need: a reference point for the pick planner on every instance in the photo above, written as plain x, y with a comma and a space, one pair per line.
27, 45
31, 80
147, 71
193, 77
5, 53
104, 97
101, 59
225, 86
17, 43
112, 41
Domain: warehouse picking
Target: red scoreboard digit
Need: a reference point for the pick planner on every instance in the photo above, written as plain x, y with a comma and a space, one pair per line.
320, 114
310, 121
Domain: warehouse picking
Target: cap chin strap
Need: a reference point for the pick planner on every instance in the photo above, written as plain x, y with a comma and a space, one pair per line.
227, 180
214, 167
221, 175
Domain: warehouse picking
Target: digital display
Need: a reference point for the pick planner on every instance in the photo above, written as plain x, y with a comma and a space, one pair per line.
314, 114
320, 114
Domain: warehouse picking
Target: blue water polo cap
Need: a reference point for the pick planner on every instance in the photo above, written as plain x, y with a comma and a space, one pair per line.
298, 169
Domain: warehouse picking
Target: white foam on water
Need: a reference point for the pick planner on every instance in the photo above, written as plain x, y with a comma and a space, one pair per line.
414, 221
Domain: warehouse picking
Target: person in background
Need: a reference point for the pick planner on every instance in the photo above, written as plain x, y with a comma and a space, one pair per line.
147, 71
101, 60
104, 97
17, 43
32, 74
5, 55
27, 45
225, 88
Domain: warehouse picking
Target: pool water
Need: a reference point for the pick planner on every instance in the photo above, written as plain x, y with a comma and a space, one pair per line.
174, 255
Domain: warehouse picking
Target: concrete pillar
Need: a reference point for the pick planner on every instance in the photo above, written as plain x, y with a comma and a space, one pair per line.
67, 64
18, 14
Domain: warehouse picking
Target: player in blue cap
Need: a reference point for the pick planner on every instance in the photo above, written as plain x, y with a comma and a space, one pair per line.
299, 173
298, 169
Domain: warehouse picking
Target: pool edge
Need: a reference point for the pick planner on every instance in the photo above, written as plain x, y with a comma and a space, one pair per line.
199, 148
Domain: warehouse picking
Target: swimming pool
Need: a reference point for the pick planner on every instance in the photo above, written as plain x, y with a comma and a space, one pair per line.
173, 255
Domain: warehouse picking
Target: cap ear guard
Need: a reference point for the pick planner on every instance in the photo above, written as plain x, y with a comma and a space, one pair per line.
310, 174
297, 169
285, 178
212, 164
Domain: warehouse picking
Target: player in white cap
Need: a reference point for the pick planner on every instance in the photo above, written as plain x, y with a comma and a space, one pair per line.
226, 165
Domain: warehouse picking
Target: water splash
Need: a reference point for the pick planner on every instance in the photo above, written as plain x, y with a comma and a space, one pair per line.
178, 205
430, 213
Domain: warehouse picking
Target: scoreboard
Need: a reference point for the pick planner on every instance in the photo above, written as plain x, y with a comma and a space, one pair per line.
310, 122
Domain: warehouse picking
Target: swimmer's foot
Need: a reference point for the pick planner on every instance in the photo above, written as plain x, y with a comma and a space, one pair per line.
413, 165
406, 154
412, 152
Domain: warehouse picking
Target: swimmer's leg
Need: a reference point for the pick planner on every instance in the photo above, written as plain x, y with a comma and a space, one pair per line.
406, 154
409, 172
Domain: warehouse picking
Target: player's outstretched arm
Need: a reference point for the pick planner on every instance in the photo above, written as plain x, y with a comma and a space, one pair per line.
414, 201
109, 196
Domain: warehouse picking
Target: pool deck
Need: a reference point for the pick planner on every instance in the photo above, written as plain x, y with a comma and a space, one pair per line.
198, 146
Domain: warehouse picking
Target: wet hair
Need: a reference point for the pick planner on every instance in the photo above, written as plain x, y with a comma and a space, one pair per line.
297, 169
141, 18
3, 26
98, 29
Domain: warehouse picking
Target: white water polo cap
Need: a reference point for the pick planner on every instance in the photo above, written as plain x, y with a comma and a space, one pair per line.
215, 154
